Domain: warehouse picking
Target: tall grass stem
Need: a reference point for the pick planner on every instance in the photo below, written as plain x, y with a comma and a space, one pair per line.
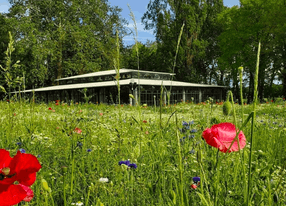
252, 128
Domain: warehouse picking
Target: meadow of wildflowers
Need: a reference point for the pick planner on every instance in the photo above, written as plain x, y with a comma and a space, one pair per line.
86, 154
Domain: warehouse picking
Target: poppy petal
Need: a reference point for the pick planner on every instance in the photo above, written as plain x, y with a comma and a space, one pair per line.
221, 136
5, 158
211, 139
29, 193
25, 167
11, 195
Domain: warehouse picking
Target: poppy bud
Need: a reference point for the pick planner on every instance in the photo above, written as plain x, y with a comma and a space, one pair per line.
240, 69
6, 171
131, 96
45, 185
226, 108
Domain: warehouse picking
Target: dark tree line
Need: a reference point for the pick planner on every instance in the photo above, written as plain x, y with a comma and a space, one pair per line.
55, 39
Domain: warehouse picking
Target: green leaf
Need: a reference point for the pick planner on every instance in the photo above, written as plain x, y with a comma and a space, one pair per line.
203, 199
3, 89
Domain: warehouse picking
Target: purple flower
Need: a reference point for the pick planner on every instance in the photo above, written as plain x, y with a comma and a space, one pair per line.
196, 179
19, 143
185, 123
88, 150
22, 150
133, 165
127, 162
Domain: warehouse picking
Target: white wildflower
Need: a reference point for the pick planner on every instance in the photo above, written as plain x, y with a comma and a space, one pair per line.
103, 180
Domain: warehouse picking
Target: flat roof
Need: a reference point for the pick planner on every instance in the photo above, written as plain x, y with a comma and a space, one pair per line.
148, 82
110, 72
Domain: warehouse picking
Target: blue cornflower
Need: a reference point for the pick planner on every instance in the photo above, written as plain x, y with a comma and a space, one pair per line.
196, 179
19, 143
191, 136
38, 156
191, 122
22, 150
187, 127
184, 137
185, 123
193, 131
133, 165
127, 162
88, 150
79, 144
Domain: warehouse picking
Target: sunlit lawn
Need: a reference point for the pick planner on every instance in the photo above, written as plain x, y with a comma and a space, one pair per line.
90, 141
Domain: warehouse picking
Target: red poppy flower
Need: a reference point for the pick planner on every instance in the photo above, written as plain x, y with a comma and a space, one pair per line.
78, 130
101, 114
221, 136
57, 103
144, 121
22, 168
193, 186
50, 108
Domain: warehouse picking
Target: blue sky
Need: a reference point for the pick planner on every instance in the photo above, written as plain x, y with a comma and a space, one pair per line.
138, 8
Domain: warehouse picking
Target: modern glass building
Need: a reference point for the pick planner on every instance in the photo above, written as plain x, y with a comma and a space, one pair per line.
144, 85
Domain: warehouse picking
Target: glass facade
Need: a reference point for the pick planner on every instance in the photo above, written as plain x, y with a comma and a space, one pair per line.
146, 94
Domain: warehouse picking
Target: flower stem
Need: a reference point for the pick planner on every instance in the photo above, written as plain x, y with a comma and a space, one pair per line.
64, 188
241, 95
180, 165
252, 127
72, 174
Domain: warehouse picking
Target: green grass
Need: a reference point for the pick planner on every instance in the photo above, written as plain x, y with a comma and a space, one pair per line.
166, 160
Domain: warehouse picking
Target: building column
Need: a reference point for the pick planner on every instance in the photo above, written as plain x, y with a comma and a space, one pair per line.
136, 94
184, 95
200, 95
100, 95
72, 96
165, 98
104, 95
130, 101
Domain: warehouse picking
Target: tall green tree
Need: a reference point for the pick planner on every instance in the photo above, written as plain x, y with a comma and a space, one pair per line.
197, 50
243, 28
65, 37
